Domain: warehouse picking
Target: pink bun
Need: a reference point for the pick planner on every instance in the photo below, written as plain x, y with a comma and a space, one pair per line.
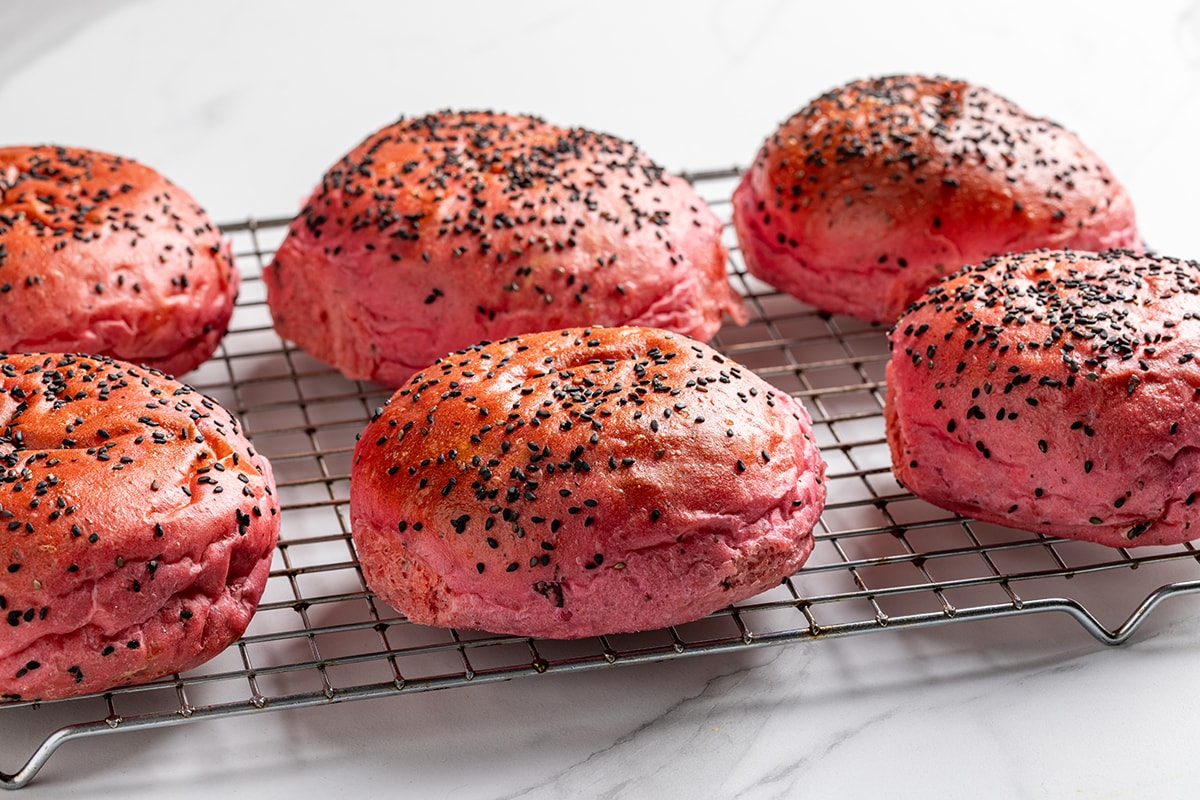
138, 526
100, 254
448, 229
877, 189
581, 482
1055, 392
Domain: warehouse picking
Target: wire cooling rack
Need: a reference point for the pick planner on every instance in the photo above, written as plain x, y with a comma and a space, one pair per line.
884, 560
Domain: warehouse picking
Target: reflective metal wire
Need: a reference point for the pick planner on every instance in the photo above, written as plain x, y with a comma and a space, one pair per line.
884, 560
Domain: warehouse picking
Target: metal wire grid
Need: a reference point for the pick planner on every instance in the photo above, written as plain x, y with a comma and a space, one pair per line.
883, 559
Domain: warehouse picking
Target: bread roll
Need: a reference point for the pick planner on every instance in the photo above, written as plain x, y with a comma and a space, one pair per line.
100, 254
138, 526
878, 188
444, 230
1055, 392
581, 482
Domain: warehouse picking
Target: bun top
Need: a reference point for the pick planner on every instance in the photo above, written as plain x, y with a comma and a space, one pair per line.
915, 174
646, 419
1085, 317
101, 254
495, 173
457, 227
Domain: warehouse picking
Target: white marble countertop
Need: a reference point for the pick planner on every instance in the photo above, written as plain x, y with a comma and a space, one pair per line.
246, 103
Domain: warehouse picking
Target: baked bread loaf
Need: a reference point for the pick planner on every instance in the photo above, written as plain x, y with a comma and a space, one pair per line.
138, 526
444, 230
876, 189
100, 254
581, 482
1055, 392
